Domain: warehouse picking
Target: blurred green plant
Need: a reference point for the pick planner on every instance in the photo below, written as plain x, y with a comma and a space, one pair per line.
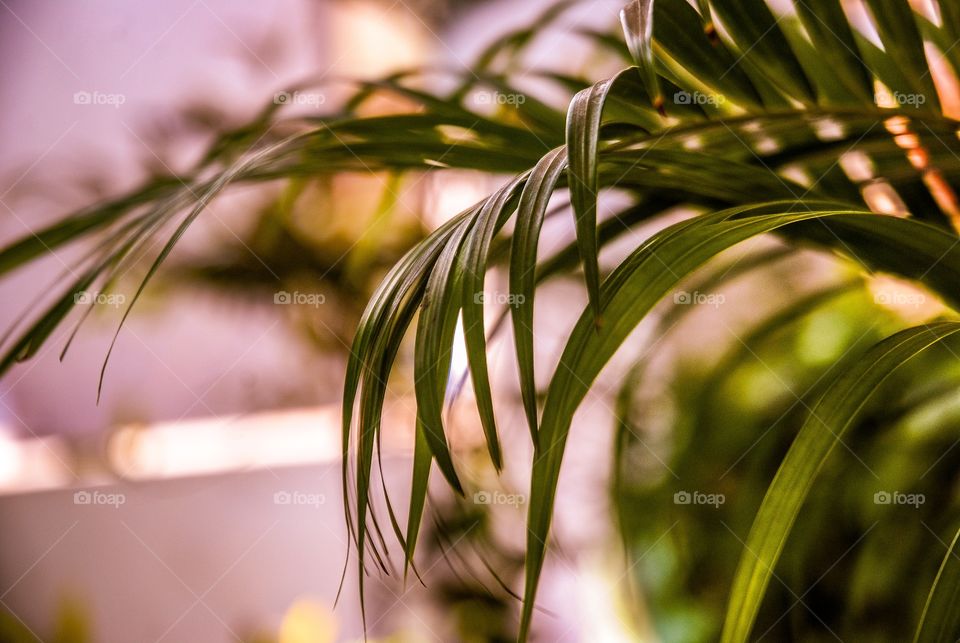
800, 125
71, 625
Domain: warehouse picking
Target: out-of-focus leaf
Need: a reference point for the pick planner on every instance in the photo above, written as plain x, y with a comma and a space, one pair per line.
654, 268
824, 429
941, 614
755, 32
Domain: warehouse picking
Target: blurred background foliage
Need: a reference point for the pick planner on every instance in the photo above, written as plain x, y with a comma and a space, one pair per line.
720, 419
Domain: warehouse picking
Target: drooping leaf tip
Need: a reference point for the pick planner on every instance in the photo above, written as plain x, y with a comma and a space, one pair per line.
710, 30
659, 105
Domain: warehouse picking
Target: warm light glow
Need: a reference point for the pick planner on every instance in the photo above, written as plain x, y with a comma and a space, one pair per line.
459, 363
897, 125
766, 145
945, 80
926, 9
363, 31
857, 166
451, 193
907, 141
881, 197
603, 615
943, 194
797, 173
693, 142
205, 446
883, 95
9, 458
911, 302
32, 464
918, 158
308, 621
828, 129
